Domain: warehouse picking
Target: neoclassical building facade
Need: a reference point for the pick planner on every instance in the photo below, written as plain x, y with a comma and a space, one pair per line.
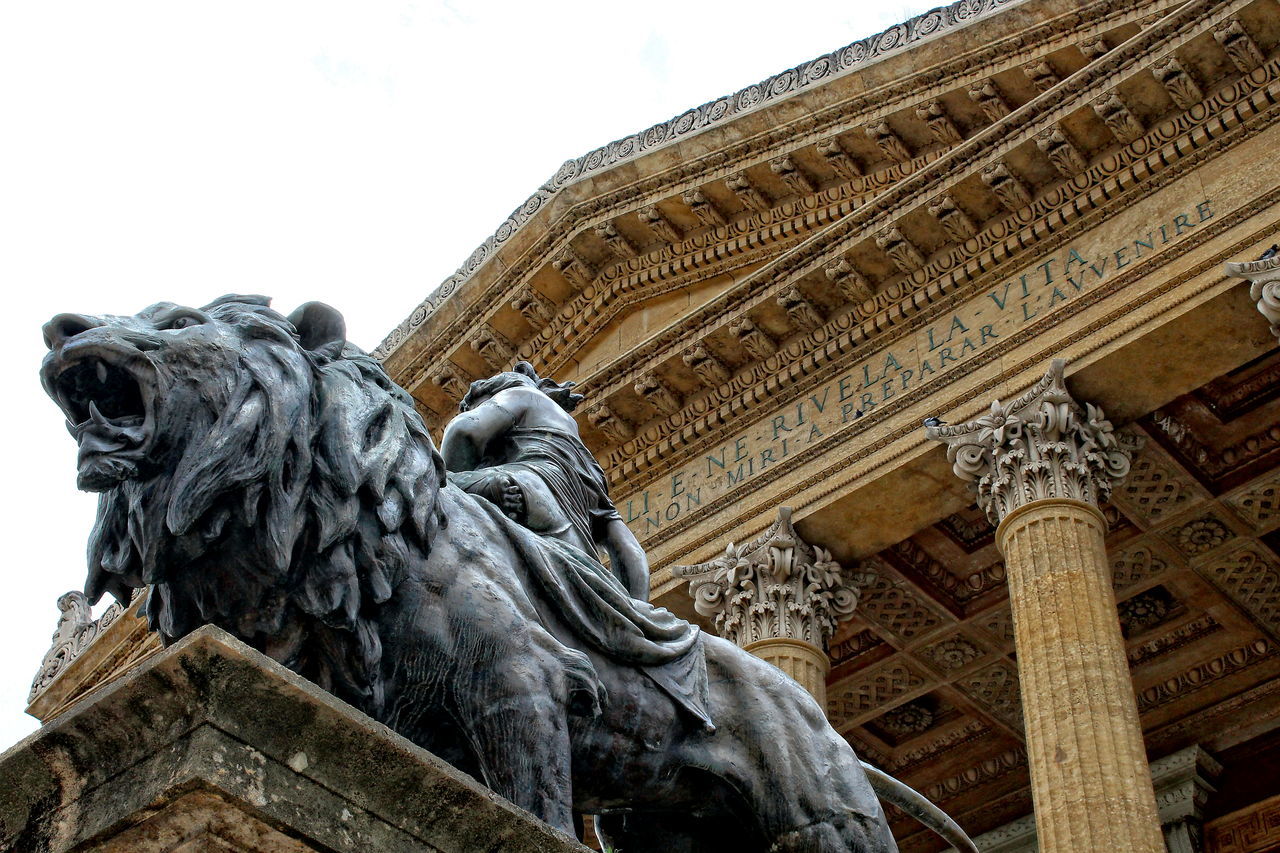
955, 344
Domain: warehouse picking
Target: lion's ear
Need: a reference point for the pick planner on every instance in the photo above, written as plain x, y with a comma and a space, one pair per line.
318, 324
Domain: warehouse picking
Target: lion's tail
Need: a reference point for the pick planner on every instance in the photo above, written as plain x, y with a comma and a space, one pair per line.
915, 804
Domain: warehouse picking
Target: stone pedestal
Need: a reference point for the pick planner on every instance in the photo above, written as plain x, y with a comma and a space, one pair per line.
1041, 466
1090, 779
804, 662
208, 745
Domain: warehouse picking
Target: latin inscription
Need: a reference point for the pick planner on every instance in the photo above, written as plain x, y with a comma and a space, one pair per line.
980, 324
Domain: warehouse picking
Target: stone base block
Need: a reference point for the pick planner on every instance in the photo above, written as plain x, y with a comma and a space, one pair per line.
212, 746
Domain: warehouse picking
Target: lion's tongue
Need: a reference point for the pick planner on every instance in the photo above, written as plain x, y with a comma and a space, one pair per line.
110, 437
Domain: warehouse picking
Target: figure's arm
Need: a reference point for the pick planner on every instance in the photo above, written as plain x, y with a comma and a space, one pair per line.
467, 435
627, 558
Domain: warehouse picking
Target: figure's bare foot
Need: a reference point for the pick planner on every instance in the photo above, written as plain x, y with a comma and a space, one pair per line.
512, 499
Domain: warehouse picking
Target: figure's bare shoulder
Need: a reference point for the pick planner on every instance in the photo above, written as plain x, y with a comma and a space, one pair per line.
532, 408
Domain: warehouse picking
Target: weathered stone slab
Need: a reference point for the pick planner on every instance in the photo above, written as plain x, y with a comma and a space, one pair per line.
212, 746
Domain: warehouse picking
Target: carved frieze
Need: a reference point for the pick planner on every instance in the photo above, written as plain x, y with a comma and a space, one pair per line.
872, 689
995, 687
1259, 503
894, 605
1250, 577
1135, 566
777, 586
1042, 445
1155, 489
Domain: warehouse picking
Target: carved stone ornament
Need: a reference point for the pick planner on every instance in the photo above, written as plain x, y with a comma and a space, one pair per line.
1042, 445
76, 630
1264, 286
775, 587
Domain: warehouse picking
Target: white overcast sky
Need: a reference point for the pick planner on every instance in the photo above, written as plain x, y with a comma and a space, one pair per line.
352, 152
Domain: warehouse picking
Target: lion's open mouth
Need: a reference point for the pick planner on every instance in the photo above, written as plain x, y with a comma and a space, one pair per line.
105, 397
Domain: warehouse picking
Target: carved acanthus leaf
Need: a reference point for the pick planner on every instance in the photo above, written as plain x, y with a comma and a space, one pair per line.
1007, 186
793, 176
493, 347
575, 268
1064, 156
958, 224
742, 187
904, 254
934, 114
838, 159
1264, 286
1242, 50
703, 208
754, 340
802, 312
853, 284
1041, 74
76, 630
658, 393
616, 240
992, 101
536, 309
706, 366
663, 227
1042, 445
1116, 115
777, 586
604, 418
1178, 82
889, 142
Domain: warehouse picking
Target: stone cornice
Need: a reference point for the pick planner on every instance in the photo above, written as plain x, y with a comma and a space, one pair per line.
822, 120
806, 75
1116, 182
916, 190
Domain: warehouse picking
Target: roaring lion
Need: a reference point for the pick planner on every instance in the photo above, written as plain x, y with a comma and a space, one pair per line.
260, 473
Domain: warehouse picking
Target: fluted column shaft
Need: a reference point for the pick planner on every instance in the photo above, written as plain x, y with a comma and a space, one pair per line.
1090, 779
1041, 466
804, 662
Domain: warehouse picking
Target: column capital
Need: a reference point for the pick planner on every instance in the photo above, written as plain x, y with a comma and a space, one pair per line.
1042, 445
1263, 276
777, 586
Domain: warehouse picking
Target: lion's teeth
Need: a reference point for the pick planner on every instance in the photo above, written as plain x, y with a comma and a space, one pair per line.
95, 415
102, 372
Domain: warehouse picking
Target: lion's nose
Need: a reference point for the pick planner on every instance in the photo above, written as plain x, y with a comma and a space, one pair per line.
66, 326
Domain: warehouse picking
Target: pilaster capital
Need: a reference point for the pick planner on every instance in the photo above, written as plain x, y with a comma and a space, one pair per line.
1263, 276
1041, 445
775, 587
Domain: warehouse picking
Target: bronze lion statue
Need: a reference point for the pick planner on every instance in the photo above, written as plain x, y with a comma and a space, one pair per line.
260, 473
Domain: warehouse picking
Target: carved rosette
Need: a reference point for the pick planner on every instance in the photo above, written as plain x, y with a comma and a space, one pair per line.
1264, 286
776, 587
1042, 445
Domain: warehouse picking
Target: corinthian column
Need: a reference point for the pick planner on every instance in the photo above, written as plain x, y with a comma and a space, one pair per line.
1041, 466
779, 598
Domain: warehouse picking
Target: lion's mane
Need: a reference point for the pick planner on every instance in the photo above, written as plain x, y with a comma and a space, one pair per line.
290, 517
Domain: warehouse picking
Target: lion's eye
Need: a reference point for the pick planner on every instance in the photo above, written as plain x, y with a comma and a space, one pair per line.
183, 322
